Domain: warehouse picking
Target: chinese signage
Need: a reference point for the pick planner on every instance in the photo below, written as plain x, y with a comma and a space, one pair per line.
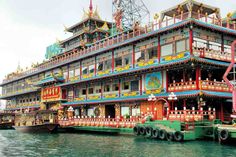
51, 94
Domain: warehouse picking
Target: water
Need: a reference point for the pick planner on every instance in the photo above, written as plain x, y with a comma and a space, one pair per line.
13, 143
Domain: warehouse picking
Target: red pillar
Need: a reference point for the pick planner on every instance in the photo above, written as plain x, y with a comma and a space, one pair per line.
80, 69
185, 103
112, 61
119, 87
133, 56
95, 67
141, 85
159, 49
166, 81
191, 41
222, 43
198, 75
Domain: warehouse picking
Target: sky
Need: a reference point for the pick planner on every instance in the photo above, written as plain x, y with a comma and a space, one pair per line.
27, 27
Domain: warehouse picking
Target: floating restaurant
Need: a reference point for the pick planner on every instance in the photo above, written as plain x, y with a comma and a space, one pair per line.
108, 76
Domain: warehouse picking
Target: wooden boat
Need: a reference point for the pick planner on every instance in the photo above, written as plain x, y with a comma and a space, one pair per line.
6, 120
36, 122
46, 127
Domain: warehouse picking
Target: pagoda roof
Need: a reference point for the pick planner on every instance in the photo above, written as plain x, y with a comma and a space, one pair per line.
71, 28
192, 5
50, 79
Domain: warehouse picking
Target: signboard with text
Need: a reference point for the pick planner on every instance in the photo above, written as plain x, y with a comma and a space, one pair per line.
50, 94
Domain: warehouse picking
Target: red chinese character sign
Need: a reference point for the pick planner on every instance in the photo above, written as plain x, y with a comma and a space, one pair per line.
50, 94
232, 83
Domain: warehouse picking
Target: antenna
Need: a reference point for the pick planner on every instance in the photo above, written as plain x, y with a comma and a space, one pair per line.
127, 12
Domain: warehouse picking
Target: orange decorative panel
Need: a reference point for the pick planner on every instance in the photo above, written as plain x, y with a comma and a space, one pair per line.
50, 94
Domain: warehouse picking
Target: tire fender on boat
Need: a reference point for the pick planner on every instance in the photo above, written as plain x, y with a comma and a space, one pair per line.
136, 130
178, 136
142, 130
155, 133
224, 135
169, 136
162, 134
149, 131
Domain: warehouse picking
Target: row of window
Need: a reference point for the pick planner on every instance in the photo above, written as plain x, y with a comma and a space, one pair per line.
114, 87
104, 61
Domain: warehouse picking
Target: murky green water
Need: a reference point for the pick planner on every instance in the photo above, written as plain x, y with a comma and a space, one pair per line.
17, 144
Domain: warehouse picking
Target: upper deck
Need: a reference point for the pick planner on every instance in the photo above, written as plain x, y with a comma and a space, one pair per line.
169, 21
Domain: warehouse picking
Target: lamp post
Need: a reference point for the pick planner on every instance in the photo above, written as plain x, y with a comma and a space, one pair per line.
172, 97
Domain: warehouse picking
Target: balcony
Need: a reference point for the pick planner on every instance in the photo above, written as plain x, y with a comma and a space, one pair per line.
203, 85
212, 54
21, 91
187, 115
182, 86
100, 122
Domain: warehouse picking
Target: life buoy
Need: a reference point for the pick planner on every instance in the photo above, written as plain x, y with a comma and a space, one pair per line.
169, 136
162, 134
155, 133
178, 136
136, 130
223, 135
149, 131
142, 130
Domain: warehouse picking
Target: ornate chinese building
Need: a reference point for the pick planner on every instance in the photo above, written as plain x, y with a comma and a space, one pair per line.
185, 51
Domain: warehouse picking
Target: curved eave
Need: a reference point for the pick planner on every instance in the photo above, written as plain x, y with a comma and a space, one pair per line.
49, 80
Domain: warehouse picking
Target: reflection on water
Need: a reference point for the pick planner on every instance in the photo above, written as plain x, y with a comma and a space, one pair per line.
17, 144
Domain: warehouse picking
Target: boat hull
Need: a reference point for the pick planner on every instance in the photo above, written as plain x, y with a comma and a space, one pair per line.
47, 128
4, 126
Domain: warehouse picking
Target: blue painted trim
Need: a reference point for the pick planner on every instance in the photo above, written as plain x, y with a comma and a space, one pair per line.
145, 97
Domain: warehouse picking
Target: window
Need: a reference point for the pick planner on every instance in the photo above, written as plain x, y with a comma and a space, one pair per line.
167, 50
83, 91
180, 46
85, 70
118, 62
90, 112
136, 111
76, 92
124, 111
139, 56
108, 64
91, 69
77, 71
126, 85
98, 90
65, 74
100, 66
107, 88
135, 85
152, 53
127, 59
115, 87
90, 91
71, 73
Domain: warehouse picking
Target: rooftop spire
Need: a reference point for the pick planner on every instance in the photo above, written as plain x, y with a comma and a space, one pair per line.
91, 6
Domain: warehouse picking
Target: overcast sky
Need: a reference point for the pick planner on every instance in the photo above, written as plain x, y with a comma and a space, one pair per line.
27, 27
